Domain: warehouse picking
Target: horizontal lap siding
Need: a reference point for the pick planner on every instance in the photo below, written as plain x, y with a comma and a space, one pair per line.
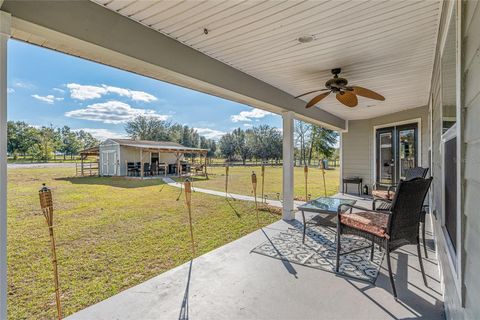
356, 150
471, 134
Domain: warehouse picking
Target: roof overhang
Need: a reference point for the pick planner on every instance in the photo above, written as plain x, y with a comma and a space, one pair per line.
87, 30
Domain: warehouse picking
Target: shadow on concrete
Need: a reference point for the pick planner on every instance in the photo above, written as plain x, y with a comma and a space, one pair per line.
285, 262
184, 307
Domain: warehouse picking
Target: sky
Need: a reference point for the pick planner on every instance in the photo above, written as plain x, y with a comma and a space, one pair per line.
50, 88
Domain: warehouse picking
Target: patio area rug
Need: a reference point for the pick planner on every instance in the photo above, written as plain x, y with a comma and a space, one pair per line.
319, 251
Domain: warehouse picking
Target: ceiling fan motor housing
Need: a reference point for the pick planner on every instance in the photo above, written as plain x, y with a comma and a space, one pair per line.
336, 84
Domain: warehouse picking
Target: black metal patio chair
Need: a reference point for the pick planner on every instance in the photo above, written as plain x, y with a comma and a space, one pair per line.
130, 169
412, 173
390, 230
146, 169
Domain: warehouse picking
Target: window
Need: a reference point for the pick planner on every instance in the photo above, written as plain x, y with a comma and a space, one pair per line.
449, 62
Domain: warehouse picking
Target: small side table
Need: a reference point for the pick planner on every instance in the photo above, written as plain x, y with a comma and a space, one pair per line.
353, 180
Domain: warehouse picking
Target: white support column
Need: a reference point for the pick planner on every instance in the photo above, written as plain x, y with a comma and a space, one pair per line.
288, 211
4, 36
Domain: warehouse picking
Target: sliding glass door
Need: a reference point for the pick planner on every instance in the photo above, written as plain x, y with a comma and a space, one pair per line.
396, 149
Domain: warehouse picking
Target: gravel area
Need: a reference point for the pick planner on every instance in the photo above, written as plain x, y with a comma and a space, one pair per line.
40, 165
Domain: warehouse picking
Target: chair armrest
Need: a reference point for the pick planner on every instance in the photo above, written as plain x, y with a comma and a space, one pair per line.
339, 210
392, 188
374, 203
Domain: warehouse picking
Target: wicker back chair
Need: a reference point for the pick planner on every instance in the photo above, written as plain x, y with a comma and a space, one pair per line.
412, 173
389, 229
417, 172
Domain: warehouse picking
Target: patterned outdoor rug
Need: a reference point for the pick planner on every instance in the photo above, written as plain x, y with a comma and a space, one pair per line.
319, 251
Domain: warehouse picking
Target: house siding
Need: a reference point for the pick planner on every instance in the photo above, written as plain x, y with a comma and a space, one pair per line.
358, 143
471, 139
470, 178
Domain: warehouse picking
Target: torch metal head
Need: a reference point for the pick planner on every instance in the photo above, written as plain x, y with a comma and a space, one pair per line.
305, 169
254, 178
188, 191
45, 195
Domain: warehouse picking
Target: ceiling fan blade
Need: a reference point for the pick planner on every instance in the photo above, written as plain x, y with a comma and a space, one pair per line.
347, 98
367, 93
304, 94
317, 99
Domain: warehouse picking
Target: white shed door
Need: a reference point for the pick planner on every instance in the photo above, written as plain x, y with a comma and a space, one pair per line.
109, 160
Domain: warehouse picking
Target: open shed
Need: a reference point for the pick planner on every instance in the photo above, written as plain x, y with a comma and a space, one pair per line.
126, 157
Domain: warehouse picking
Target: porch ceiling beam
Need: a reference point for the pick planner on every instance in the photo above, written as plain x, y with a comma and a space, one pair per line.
93, 32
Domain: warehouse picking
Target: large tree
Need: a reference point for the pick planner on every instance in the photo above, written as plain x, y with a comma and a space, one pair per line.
21, 137
227, 146
241, 147
148, 128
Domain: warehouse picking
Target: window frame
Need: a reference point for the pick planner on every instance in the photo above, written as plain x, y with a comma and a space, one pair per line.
454, 255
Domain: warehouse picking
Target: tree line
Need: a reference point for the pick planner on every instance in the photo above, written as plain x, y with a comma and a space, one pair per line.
265, 143
262, 143
44, 142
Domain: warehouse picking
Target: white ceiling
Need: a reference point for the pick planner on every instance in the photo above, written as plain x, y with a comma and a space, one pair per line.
386, 46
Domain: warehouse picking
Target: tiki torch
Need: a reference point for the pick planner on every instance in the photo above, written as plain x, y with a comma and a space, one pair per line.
46, 204
188, 201
323, 175
227, 169
254, 187
263, 180
305, 171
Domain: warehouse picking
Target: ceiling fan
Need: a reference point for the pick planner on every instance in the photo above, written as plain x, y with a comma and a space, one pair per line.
347, 95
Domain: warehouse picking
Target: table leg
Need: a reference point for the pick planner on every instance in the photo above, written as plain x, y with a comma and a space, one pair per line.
304, 226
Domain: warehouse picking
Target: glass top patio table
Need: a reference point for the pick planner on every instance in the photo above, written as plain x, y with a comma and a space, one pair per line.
325, 205
326, 209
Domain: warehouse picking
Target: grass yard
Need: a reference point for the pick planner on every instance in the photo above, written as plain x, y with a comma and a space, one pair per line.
111, 234
239, 181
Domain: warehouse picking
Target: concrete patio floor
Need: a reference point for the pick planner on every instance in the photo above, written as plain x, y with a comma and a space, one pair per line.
233, 283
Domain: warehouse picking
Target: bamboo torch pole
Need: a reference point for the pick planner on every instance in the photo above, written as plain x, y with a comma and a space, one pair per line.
263, 181
324, 183
227, 169
188, 201
254, 187
46, 203
305, 171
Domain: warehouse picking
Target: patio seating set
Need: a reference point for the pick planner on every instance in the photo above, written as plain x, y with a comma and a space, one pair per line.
134, 169
393, 221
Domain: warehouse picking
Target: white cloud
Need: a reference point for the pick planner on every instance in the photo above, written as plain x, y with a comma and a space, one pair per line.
50, 99
81, 92
248, 125
23, 84
210, 133
59, 90
249, 115
112, 112
86, 92
10, 90
103, 134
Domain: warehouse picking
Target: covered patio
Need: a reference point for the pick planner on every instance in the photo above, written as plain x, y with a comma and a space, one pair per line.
422, 56
232, 282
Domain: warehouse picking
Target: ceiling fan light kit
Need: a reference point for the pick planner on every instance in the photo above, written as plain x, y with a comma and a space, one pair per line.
347, 95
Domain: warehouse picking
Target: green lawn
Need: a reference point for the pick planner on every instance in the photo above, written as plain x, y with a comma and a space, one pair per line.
239, 181
111, 234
